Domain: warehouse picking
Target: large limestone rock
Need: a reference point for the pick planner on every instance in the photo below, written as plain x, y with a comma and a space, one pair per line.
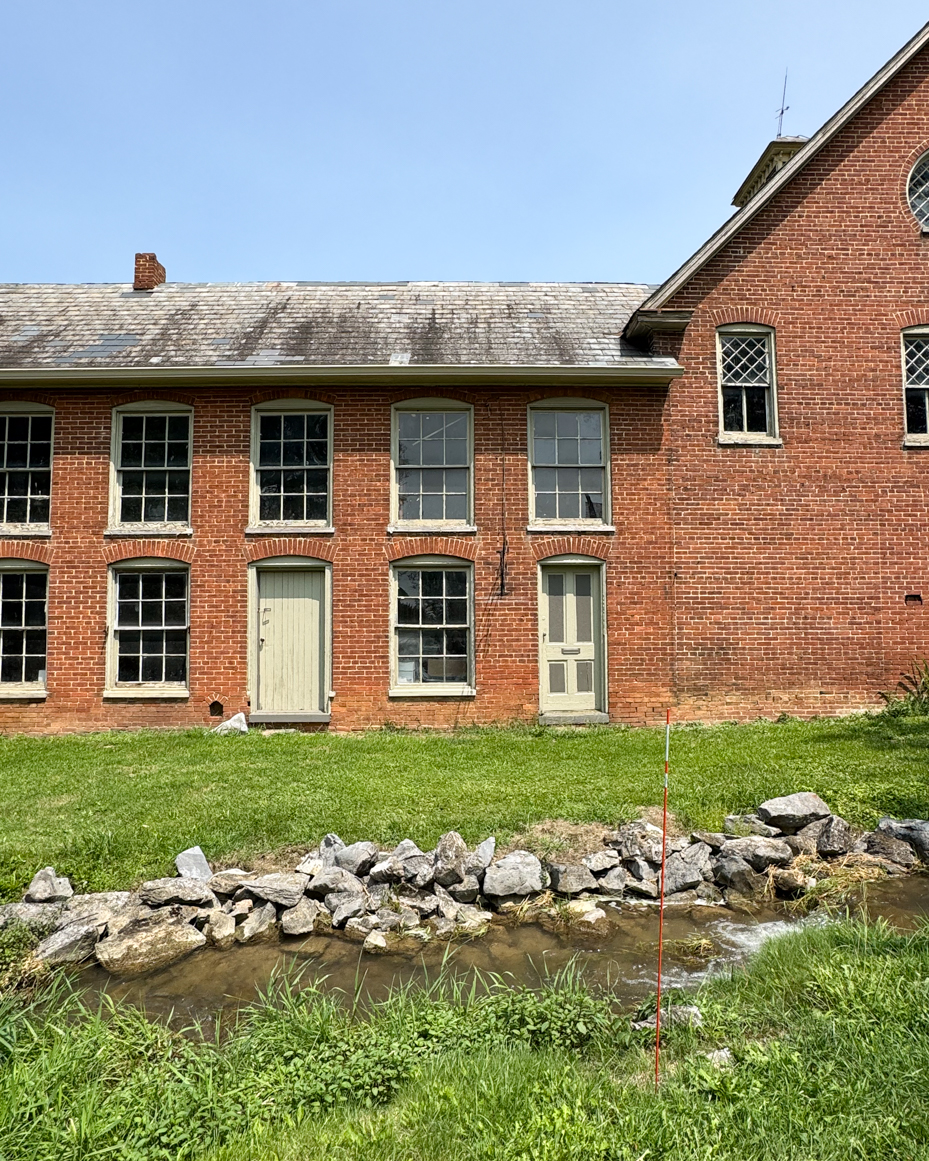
613, 882
47, 887
636, 840
284, 890
793, 812
884, 846
758, 852
835, 837
736, 874
467, 890
419, 870
908, 830
99, 908
571, 878
389, 870
482, 855
148, 944
40, 917
804, 841
192, 864
334, 879
259, 926
71, 944
220, 930
302, 919
344, 905
687, 868
740, 825
228, 882
164, 892
451, 855
329, 848
601, 861
357, 859
518, 873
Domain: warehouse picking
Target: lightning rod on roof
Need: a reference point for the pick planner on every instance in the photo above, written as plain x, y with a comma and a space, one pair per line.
784, 107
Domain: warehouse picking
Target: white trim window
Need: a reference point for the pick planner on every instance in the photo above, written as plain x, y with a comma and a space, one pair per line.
291, 470
747, 383
568, 463
917, 191
25, 467
150, 628
151, 463
916, 385
23, 628
432, 448
432, 630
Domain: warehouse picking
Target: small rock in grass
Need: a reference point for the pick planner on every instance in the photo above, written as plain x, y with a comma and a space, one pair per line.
793, 812
258, 926
47, 887
192, 864
234, 725
687, 1014
220, 930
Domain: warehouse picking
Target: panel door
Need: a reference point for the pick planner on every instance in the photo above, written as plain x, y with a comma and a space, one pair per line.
290, 640
571, 640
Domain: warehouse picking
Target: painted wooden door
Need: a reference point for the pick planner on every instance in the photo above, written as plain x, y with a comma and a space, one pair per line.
290, 640
571, 640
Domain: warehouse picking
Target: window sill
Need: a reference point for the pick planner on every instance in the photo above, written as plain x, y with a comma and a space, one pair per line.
145, 530
748, 439
22, 691
431, 529
916, 441
440, 689
158, 692
277, 529
24, 531
568, 526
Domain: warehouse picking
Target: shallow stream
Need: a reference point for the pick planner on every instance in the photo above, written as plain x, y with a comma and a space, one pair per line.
624, 960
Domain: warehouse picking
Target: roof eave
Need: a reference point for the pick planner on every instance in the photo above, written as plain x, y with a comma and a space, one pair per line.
631, 374
819, 139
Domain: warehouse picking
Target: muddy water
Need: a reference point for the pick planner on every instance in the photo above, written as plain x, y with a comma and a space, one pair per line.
622, 960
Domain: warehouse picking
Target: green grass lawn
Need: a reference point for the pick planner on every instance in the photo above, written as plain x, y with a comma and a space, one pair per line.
111, 809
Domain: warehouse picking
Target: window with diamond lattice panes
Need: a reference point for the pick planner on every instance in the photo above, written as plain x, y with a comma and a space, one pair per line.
151, 627
293, 468
26, 476
568, 475
918, 191
916, 364
154, 469
433, 631
746, 383
433, 464
22, 627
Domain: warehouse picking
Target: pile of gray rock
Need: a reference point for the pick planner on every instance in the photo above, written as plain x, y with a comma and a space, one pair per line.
391, 899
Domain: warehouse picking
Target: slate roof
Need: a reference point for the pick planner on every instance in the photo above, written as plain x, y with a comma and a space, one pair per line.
273, 324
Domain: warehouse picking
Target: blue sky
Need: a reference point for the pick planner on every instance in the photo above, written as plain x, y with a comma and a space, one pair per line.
379, 140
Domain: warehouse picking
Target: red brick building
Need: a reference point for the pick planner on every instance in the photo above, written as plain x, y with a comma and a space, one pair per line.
438, 503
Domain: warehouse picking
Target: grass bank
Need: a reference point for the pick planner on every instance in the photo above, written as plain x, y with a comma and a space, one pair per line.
111, 809
828, 1029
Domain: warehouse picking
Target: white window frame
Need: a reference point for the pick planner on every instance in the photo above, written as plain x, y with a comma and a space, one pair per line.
115, 526
431, 689
426, 526
27, 690
914, 439
20, 409
604, 524
281, 564
921, 220
770, 438
282, 407
143, 689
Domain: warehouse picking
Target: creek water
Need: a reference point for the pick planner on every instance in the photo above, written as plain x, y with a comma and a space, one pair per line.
622, 960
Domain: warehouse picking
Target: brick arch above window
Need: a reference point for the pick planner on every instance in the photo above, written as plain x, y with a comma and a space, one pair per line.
412, 546
595, 546
153, 396
915, 316
138, 549
453, 394
291, 546
748, 315
561, 393
16, 550
18, 398
312, 395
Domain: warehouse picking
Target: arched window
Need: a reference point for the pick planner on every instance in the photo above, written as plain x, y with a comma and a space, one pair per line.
917, 191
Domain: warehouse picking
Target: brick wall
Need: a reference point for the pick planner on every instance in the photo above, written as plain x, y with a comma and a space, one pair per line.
792, 563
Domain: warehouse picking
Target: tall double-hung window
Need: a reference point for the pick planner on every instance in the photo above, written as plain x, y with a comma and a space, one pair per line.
568, 456
151, 467
432, 458
291, 465
26, 469
149, 629
747, 384
916, 385
23, 629
433, 637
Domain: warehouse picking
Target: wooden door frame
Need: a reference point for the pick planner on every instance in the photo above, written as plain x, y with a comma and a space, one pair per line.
602, 715
283, 564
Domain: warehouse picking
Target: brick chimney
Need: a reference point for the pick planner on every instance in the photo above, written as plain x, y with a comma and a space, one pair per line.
149, 272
